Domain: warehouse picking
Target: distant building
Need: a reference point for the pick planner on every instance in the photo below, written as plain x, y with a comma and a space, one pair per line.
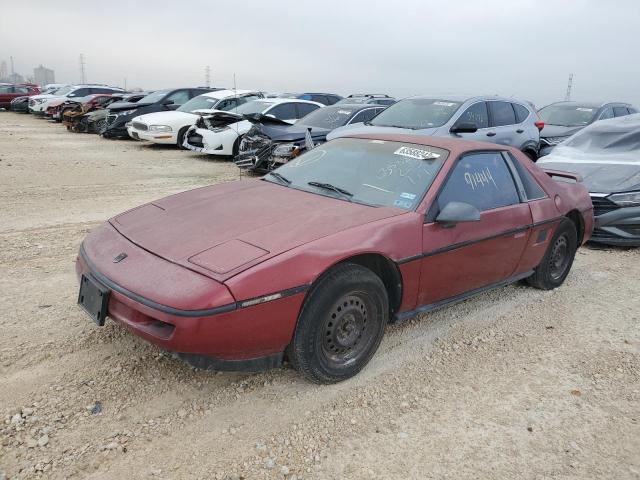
3, 70
43, 75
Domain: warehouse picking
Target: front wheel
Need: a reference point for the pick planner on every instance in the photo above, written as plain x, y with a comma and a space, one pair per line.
180, 138
557, 261
341, 324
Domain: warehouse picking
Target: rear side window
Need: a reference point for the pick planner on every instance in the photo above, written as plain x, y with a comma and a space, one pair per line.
502, 114
620, 111
320, 99
179, 97
365, 115
304, 109
531, 187
476, 114
607, 113
81, 92
631, 110
521, 112
482, 180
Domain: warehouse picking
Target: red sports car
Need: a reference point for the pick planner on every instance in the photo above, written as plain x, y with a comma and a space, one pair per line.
313, 260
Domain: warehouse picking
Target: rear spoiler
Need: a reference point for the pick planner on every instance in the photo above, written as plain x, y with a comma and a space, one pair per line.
559, 173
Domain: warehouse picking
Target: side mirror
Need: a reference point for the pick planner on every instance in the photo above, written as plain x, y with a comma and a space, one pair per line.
464, 127
457, 212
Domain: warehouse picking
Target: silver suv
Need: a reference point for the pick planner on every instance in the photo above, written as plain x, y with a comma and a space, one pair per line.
485, 118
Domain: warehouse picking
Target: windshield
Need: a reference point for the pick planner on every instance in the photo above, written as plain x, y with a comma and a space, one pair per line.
253, 107
328, 117
154, 97
417, 113
372, 172
201, 102
64, 90
567, 115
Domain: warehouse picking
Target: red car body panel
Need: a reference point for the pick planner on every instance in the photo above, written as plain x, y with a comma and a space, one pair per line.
26, 90
207, 272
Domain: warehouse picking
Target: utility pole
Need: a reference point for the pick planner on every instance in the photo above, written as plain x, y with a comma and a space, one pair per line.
567, 96
83, 78
207, 76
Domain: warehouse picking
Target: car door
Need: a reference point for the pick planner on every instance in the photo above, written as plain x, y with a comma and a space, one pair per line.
478, 115
469, 256
502, 124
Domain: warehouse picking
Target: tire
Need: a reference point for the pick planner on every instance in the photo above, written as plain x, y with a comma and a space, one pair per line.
557, 261
340, 325
100, 126
180, 138
236, 148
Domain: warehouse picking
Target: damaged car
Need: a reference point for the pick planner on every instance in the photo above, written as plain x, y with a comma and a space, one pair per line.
96, 120
313, 261
271, 142
20, 104
75, 117
563, 119
169, 128
121, 113
606, 154
220, 133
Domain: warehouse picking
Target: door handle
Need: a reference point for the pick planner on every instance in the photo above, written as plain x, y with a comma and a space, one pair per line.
491, 134
519, 130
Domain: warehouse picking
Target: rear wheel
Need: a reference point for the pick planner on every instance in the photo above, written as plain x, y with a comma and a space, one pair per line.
100, 126
557, 261
341, 324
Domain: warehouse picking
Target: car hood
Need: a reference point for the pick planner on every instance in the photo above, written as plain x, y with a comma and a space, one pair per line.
167, 118
220, 231
360, 129
558, 131
601, 175
284, 133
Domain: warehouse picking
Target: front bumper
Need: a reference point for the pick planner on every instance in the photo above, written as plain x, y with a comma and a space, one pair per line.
166, 138
202, 140
619, 226
220, 333
117, 126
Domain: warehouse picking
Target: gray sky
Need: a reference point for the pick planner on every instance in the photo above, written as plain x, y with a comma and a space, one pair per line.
522, 48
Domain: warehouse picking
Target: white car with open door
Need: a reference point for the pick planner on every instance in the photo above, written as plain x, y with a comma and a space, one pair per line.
220, 132
169, 127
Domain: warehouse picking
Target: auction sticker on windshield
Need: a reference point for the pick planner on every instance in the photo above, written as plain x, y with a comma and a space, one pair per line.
417, 153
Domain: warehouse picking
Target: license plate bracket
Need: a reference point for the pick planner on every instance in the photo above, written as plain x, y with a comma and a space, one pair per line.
93, 298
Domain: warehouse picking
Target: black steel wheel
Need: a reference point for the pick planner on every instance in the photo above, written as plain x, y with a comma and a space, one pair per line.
557, 261
340, 325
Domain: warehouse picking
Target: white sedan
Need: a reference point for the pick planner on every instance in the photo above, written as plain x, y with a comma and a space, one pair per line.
220, 132
169, 127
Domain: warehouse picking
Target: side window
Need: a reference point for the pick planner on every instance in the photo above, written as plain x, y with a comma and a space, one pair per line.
228, 104
320, 99
332, 99
247, 98
531, 187
81, 92
364, 115
385, 102
502, 114
620, 111
6, 88
305, 108
179, 97
284, 111
21, 90
521, 112
607, 113
477, 114
482, 180
631, 110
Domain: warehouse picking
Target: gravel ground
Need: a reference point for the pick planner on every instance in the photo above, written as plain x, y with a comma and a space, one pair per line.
513, 384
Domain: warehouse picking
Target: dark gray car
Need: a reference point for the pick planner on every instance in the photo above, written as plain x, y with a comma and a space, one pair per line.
607, 156
506, 121
563, 119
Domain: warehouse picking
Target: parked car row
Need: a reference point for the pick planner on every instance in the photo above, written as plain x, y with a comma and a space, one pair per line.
261, 132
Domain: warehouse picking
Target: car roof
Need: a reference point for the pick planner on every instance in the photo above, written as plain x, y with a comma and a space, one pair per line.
589, 104
453, 145
356, 106
277, 100
220, 94
465, 98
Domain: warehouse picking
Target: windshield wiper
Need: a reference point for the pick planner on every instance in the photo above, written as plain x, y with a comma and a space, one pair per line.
328, 186
282, 178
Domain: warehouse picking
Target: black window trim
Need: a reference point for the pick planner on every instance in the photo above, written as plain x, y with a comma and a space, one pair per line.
372, 107
434, 208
